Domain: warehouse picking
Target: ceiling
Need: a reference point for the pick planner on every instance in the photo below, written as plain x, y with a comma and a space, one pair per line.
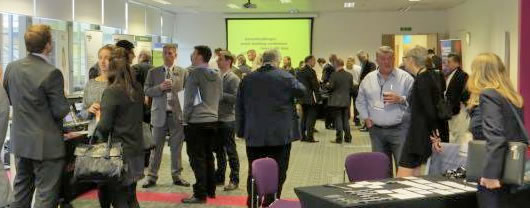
303, 6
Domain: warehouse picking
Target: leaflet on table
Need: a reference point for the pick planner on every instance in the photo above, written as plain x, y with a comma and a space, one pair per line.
415, 185
406, 193
458, 186
196, 101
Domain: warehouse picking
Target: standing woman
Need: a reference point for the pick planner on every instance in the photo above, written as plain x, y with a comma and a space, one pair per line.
492, 96
424, 120
94, 88
121, 117
288, 65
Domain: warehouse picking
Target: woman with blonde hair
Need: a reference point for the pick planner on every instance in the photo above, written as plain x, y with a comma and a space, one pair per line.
492, 97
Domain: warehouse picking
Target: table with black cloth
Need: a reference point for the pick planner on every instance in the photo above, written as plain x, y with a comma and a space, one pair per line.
327, 195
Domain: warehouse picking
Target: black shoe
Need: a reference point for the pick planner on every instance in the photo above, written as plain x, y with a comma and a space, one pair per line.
231, 186
315, 131
181, 182
312, 141
336, 142
149, 184
220, 183
194, 200
364, 129
211, 195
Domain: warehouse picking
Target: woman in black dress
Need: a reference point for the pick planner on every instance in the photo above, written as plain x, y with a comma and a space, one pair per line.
424, 120
121, 117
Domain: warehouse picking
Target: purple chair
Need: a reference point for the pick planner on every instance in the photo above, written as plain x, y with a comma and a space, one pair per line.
367, 166
265, 177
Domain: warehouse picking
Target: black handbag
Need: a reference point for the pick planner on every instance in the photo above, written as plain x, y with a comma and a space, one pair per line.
100, 162
514, 160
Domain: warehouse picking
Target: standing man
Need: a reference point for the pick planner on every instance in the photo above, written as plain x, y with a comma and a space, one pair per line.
341, 87
355, 71
436, 60
227, 116
457, 96
242, 68
265, 112
201, 109
251, 55
366, 67
36, 91
213, 61
308, 77
5, 187
329, 68
382, 104
162, 84
142, 68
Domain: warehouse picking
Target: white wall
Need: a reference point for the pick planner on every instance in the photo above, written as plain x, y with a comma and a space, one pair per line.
487, 21
340, 33
198, 29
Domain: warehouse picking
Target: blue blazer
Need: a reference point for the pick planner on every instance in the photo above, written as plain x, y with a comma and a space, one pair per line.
265, 108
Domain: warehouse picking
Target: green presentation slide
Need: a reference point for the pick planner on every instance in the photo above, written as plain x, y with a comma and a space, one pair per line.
292, 37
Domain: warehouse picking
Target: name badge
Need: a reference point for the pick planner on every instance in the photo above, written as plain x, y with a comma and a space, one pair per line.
379, 105
169, 95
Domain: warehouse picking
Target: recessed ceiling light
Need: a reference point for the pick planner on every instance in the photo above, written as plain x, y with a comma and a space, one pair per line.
233, 6
349, 4
162, 2
414, 0
285, 1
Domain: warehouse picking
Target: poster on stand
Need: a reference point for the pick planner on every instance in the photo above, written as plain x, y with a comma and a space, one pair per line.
158, 59
59, 56
143, 43
118, 37
93, 42
449, 47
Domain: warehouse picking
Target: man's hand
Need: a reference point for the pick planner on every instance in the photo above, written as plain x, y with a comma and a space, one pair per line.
94, 108
166, 85
490, 183
369, 123
392, 98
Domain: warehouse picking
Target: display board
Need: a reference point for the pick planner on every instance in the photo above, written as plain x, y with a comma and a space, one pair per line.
59, 56
158, 59
93, 42
449, 47
292, 37
143, 43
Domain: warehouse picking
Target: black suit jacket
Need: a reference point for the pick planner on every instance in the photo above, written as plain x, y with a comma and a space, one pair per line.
308, 77
366, 69
341, 87
456, 91
498, 125
265, 110
326, 73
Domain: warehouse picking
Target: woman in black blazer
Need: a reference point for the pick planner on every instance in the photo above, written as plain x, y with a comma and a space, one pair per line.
492, 96
121, 117
426, 91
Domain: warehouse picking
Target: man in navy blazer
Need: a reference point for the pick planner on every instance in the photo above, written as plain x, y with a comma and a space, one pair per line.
265, 115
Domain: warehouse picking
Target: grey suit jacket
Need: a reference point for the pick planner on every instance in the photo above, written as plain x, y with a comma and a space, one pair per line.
341, 88
36, 92
5, 187
265, 108
155, 77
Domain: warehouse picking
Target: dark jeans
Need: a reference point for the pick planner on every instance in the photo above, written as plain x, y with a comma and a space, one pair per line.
226, 146
200, 144
342, 123
119, 196
309, 116
328, 116
279, 153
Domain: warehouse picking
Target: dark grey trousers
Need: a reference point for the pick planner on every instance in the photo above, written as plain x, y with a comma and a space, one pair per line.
45, 176
389, 141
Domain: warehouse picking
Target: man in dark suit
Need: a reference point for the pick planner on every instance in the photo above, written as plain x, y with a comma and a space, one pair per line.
142, 68
366, 67
436, 60
308, 77
265, 112
456, 95
341, 87
328, 69
36, 91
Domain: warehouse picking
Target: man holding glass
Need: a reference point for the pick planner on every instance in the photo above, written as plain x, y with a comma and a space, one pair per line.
162, 84
382, 104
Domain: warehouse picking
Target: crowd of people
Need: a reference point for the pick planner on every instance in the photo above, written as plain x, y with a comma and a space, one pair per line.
221, 96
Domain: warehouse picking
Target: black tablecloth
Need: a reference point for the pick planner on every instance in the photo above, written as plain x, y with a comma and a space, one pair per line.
318, 197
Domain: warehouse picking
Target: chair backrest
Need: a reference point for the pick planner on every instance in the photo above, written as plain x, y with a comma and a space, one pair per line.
265, 173
367, 166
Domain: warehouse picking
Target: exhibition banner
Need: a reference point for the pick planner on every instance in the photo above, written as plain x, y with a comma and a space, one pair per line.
143, 43
158, 59
93, 42
449, 47
118, 37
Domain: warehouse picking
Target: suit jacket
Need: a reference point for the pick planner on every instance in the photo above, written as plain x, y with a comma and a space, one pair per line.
308, 77
327, 71
497, 125
155, 77
5, 186
341, 87
265, 110
456, 91
36, 91
141, 71
366, 69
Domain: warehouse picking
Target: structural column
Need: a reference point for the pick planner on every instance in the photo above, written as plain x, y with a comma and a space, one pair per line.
524, 56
